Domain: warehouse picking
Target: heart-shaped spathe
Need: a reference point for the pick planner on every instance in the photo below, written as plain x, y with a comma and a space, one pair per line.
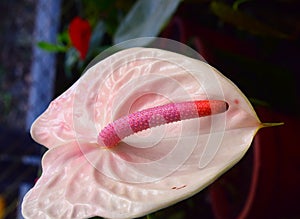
149, 170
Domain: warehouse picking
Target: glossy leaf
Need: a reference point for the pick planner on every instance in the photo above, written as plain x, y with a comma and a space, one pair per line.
149, 170
145, 19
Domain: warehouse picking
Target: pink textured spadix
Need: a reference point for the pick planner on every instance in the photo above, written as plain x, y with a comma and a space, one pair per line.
114, 132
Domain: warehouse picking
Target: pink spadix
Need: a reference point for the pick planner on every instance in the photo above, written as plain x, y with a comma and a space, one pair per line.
114, 132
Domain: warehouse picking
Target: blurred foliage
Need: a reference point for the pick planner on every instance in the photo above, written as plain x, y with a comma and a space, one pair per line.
243, 21
254, 43
146, 18
111, 21
269, 74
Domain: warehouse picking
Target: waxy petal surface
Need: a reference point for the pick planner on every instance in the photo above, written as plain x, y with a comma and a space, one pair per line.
148, 170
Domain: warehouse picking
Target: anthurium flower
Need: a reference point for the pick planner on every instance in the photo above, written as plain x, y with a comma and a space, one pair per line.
80, 33
145, 170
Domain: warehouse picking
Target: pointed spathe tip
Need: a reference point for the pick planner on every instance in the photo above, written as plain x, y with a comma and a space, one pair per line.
271, 124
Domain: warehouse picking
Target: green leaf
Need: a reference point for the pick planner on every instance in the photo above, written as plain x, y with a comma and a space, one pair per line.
244, 21
64, 38
149, 216
52, 47
258, 102
145, 19
237, 3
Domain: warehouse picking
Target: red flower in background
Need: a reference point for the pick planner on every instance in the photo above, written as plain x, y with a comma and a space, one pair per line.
80, 34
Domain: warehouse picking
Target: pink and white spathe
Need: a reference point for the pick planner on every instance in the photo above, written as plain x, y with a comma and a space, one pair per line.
148, 170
